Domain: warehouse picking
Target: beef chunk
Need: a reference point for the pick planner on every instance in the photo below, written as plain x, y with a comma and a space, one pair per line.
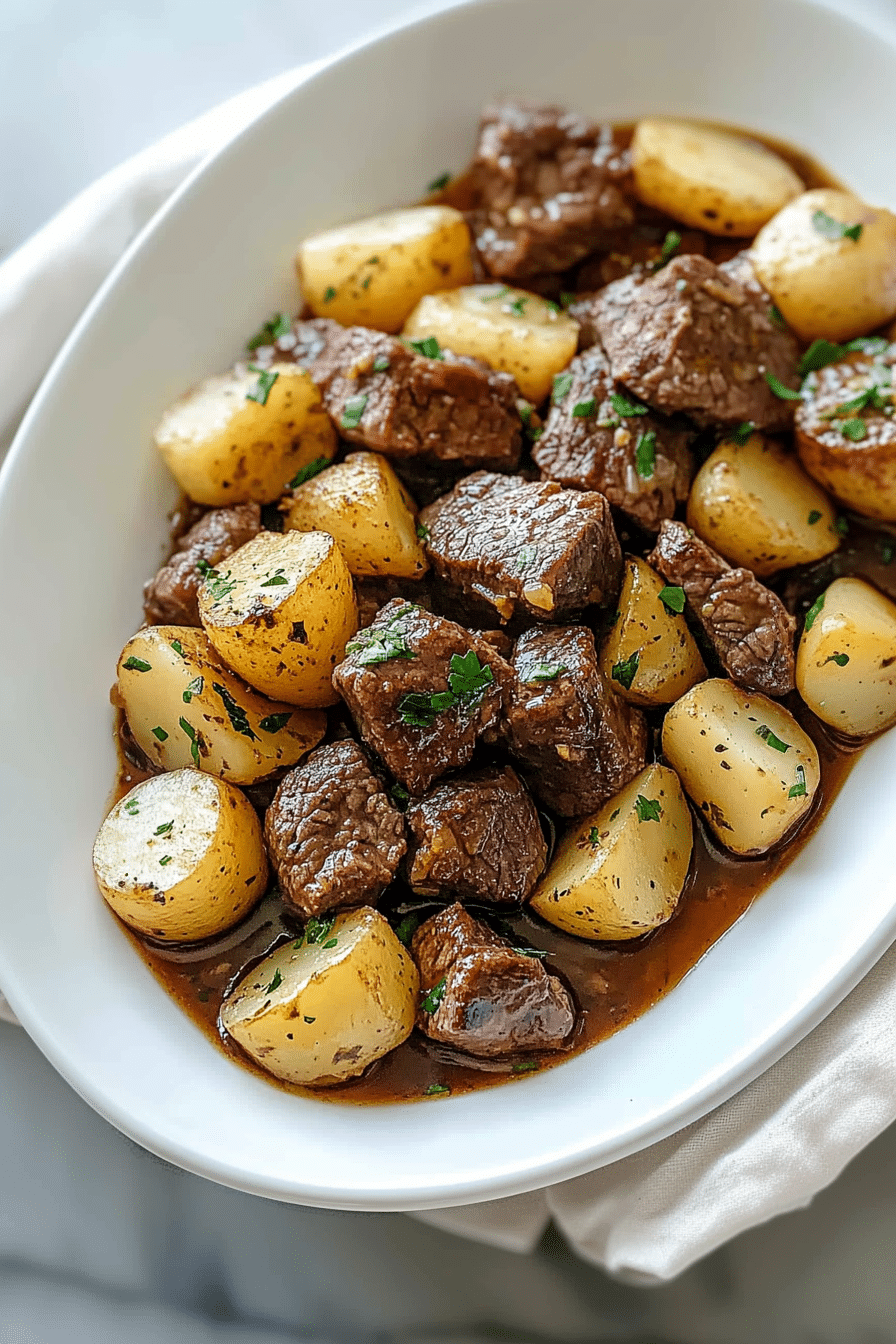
527, 545
637, 251
692, 338
170, 598
577, 741
642, 465
333, 835
477, 838
421, 691
482, 996
747, 624
548, 185
864, 376
451, 409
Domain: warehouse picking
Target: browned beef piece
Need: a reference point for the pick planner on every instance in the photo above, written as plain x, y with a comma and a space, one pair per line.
549, 184
421, 691
452, 409
483, 996
477, 838
373, 594
824, 448
527, 545
692, 338
638, 251
170, 598
642, 465
747, 624
577, 741
334, 837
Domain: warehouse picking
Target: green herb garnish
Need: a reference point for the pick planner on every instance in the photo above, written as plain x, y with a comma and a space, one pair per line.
279, 325
468, 678
648, 809
841, 659
262, 389
625, 672
798, 790
438, 183
132, 807
562, 384
769, 737
193, 687
582, 409
673, 599
331, 942
821, 353
842, 526
235, 713
316, 930
275, 983
352, 412
530, 1066
832, 229
567, 298
594, 836
272, 723
431, 999
164, 860
437, 1090
814, 517
813, 611
785, 393
622, 406
743, 433
544, 672
276, 580
671, 244
195, 739
164, 829
406, 928
329, 294
176, 644
160, 734
423, 532
428, 347
518, 305
219, 586
133, 664
645, 455
373, 645
854, 430
308, 472
777, 317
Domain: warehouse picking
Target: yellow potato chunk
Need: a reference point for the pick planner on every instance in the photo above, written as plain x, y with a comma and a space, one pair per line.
281, 613
373, 272
757, 507
650, 654
181, 857
365, 507
185, 707
620, 873
846, 661
711, 179
320, 1010
510, 329
242, 436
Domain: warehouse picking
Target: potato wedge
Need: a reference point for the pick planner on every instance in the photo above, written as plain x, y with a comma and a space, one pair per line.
620, 873
185, 707
846, 660
242, 436
757, 507
825, 285
181, 857
365, 507
715, 180
282, 613
512, 330
650, 654
745, 761
320, 1010
372, 273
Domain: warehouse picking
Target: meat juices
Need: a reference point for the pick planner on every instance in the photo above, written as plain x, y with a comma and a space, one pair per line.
171, 597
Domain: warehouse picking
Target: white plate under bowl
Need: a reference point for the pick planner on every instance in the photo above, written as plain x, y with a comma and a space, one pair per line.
82, 522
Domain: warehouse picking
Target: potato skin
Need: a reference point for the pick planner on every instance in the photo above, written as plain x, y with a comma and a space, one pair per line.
222, 447
718, 738
754, 504
669, 662
319, 1013
620, 873
181, 857
831, 288
372, 273
846, 660
282, 614
365, 507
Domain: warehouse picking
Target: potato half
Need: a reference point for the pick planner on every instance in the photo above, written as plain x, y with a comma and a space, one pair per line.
320, 1012
754, 503
363, 504
745, 761
846, 660
620, 873
181, 857
650, 655
826, 285
372, 273
242, 436
710, 179
512, 330
185, 707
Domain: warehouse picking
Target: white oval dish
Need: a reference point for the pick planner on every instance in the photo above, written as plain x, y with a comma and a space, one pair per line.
82, 523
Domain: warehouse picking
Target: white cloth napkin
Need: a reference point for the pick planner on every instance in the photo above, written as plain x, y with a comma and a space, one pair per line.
645, 1219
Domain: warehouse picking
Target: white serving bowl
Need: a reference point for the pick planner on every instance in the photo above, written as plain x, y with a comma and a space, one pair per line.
82, 523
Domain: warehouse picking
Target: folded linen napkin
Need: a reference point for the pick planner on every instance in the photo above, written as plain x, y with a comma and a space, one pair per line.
647, 1218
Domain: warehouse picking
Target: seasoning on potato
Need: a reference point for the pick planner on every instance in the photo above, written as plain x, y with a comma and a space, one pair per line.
846, 660
650, 655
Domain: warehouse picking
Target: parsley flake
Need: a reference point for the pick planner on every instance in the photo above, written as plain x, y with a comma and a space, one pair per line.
562, 384
814, 517
622, 406
431, 999
854, 430
544, 672
886, 553
428, 347
133, 664
192, 688
416, 710
468, 678
331, 942
777, 317
833, 229
316, 930
165, 860
275, 983
379, 645
648, 809
784, 393
219, 586
673, 599
594, 836
308, 472
813, 611
406, 928
423, 532
671, 244
438, 183
798, 790
567, 298
276, 580
437, 1090
841, 659
132, 807
743, 433
164, 829
381, 364
307, 1019
518, 305
329, 294
530, 1066
176, 644
821, 353
160, 734
272, 723
582, 409
352, 412
262, 389
626, 671
279, 325
770, 739
842, 526
195, 739
645, 455
235, 713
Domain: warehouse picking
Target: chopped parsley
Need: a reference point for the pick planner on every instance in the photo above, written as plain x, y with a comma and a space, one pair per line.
855, 430
132, 807
798, 790
648, 809
276, 580
770, 739
594, 836
133, 664
584, 408
416, 709
841, 659
777, 317
381, 364
622, 406
406, 928
871, 396
329, 294
467, 681
842, 526
645, 455
544, 672
813, 611
160, 734
331, 942
219, 586
886, 553
431, 999
235, 713
373, 646
814, 517
164, 860
423, 532
275, 983
821, 353
437, 1090
567, 298
671, 244
785, 393
195, 739
316, 931
308, 472
176, 644
467, 677
279, 325
428, 347
529, 952
400, 796
673, 599
309, 1020
530, 1066
262, 389
193, 687
164, 829
518, 305
562, 384
352, 412
272, 723
438, 183
832, 229
626, 671
499, 293
743, 433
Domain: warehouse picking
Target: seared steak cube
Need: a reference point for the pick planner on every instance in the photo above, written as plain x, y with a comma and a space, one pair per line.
483, 996
477, 838
577, 741
528, 546
421, 691
747, 624
171, 597
334, 837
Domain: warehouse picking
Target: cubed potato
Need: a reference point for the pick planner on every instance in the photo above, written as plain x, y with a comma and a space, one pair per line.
650, 654
184, 707
319, 1010
510, 329
846, 660
242, 436
745, 761
757, 507
715, 180
620, 873
365, 507
281, 614
181, 857
373, 272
